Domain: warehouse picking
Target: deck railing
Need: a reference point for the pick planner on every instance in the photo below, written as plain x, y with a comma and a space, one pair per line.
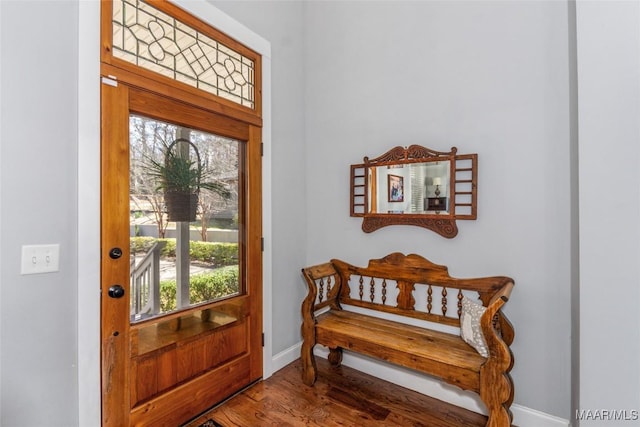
145, 283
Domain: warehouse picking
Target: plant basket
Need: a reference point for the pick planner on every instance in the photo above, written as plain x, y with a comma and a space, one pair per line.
181, 206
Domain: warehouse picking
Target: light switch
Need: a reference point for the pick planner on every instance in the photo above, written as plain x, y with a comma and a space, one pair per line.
40, 259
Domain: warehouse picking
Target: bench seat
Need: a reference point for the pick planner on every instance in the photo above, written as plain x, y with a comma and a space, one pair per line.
443, 355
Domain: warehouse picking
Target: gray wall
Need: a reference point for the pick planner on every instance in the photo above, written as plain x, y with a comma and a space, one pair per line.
608, 41
490, 78
38, 170
282, 25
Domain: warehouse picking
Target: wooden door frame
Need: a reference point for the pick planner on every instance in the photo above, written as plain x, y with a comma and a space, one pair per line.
89, 368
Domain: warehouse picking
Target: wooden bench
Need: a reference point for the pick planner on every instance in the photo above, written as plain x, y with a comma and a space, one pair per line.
411, 287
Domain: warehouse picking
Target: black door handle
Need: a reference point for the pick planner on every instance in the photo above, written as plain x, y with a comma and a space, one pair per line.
116, 291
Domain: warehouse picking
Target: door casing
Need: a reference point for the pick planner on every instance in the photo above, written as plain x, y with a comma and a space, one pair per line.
89, 397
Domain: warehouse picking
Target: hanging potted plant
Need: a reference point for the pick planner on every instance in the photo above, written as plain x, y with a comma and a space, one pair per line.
181, 180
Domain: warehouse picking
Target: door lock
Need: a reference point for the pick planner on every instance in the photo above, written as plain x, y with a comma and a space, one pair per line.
115, 253
116, 291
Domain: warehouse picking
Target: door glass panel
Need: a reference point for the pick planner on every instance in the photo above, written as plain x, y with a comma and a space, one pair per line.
185, 218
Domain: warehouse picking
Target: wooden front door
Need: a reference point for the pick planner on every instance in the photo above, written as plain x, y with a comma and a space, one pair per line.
181, 299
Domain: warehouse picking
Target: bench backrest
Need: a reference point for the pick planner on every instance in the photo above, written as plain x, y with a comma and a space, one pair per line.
405, 285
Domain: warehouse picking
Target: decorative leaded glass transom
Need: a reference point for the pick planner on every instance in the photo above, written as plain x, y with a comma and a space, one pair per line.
149, 38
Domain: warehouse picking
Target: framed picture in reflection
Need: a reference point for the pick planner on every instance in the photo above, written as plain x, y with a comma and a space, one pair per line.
395, 184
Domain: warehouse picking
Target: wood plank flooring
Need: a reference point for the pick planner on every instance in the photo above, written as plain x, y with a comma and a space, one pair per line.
340, 397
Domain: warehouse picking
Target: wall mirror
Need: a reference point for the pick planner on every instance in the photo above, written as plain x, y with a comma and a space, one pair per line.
415, 186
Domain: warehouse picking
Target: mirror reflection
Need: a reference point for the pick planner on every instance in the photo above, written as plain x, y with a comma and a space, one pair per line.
416, 188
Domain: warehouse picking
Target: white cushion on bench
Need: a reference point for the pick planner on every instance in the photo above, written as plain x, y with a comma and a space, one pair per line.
470, 326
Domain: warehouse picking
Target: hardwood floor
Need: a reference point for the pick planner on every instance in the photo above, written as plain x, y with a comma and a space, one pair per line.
340, 397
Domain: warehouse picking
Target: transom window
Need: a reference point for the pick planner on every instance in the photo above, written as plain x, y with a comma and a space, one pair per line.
149, 38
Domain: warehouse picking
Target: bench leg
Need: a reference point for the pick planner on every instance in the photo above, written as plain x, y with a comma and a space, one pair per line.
498, 397
335, 356
500, 418
309, 369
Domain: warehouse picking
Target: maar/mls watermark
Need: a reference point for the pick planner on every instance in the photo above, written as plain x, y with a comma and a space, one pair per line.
607, 414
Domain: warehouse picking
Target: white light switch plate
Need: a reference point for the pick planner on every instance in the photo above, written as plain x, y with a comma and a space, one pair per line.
40, 259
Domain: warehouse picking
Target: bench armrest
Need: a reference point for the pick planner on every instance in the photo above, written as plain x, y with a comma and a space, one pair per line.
498, 334
325, 277
503, 294
497, 386
496, 328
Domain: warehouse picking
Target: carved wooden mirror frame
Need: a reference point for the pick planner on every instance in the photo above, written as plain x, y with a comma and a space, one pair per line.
459, 181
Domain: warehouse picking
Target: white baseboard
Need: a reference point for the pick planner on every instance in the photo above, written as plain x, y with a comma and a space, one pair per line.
527, 417
285, 357
522, 416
